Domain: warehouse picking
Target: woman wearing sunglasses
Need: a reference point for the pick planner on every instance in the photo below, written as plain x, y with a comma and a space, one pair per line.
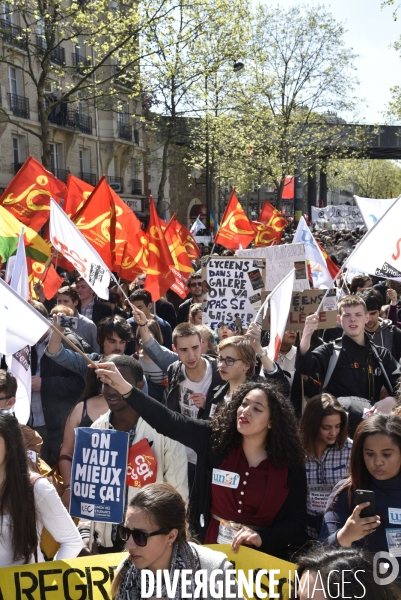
155, 533
250, 481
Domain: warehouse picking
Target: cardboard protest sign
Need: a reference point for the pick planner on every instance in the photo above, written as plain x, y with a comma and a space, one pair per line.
232, 290
306, 303
280, 260
98, 474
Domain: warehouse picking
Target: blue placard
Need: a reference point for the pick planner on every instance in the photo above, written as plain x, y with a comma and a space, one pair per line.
98, 474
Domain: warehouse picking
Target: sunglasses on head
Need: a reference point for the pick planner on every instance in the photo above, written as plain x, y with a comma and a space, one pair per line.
140, 537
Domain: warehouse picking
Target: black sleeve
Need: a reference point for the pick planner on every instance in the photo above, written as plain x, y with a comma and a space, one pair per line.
315, 362
289, 525
68, 387
188, 431
280, 379
393, 370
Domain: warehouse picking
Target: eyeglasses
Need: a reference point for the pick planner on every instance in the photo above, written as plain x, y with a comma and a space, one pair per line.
5, 398
227, 361
196, 284
139, 286
140, 537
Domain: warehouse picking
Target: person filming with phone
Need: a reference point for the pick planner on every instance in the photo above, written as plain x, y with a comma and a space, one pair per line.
365, 509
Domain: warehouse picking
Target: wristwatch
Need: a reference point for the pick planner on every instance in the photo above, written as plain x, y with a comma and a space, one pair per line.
262, 354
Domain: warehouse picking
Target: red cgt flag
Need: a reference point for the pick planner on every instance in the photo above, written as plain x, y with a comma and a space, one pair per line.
159, 275
96, 221
273, 217
51, 281
78, 192
235, 228
188, 240
27, 196
265, 235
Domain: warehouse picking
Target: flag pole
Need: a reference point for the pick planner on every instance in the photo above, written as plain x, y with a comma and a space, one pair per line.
73, 346
47, 265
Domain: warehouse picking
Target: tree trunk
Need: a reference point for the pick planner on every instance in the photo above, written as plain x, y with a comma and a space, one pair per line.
44, 125
163, 178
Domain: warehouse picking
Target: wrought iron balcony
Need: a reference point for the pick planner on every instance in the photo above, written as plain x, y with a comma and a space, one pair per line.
81, 63
88, 177
19, 105
136, 189
84, 123
125, 131
13, 35
124, 77
61, 174
57, 55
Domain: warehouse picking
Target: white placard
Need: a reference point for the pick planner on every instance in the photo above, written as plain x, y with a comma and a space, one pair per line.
232, 290
280, 260
337, 217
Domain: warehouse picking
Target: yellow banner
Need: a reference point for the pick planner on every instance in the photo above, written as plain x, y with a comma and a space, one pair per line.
90, 578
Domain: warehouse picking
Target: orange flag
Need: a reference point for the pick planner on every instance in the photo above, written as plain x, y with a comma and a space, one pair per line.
235, 228
130, 241
78, 192
96, 221
273, 217
265, 235
52, 281
188, 240
27, 196
177, 249
159, 275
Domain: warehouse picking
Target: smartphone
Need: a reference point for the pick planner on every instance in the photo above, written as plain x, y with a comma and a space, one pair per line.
64, 321
366, 496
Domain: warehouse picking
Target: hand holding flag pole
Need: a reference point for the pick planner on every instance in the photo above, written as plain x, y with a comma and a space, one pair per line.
73, 346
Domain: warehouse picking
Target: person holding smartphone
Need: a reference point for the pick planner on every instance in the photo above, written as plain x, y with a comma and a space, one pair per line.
375, 474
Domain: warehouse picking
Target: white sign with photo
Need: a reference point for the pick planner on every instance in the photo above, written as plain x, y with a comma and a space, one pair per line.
337, 217
280, 260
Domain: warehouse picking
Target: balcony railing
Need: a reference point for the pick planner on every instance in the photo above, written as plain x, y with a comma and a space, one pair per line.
125, 131
61, 174
68, 117
124, 77
16, 167
111, 179
136, 189
13, 34
19, 105
81, 63
57, 55
88, 177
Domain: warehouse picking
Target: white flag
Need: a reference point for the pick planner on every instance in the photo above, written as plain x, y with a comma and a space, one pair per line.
69, 241
20, 363
280, 304
24, 326
313, 254
372, 209
197, 226
379, 252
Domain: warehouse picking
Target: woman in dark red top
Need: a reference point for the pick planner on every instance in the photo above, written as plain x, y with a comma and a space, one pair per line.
250, 483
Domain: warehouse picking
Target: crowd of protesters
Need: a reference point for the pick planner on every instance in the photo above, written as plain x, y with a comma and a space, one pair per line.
296, 438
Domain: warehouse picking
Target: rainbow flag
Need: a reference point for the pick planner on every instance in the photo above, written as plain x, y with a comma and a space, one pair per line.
213, 224
10, 229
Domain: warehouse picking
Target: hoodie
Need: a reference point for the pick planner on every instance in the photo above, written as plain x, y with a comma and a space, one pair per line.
388, 336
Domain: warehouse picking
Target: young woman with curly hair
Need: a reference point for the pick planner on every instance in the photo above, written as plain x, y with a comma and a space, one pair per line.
250, 482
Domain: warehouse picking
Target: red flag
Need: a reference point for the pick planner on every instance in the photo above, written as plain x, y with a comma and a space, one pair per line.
177, 249
159, 275
189, 242
235, 228
289, 188
78, 192
266, 235
273, 217
51, 281
27, 196
96, 221
331, 267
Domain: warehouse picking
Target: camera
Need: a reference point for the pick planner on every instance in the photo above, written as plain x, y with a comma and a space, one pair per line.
64, 321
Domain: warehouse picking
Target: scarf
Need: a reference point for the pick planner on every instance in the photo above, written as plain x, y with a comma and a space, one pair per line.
183, 557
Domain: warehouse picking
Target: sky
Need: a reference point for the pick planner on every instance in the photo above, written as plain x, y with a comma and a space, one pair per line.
371, 31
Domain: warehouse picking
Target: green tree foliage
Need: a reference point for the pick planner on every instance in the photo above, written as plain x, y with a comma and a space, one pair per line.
367, 178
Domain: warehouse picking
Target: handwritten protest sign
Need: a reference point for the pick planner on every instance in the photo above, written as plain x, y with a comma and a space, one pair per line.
280, 260
232, 290
337, 217
306, 303
98, 474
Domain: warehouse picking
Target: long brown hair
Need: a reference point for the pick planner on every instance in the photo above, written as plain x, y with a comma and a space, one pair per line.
166, 510
316, 410
379, 424
16, 492
283, 445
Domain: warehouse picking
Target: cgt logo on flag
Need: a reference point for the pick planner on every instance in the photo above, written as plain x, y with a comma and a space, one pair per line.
142, 465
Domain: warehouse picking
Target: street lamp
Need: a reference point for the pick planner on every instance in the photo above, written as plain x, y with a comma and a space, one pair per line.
237, 67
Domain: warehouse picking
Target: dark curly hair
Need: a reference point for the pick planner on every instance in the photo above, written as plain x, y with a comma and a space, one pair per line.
283, 445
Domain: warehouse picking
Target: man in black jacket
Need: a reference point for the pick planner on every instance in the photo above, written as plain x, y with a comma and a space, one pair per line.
88, 306
354, 367
195, 286
381, 331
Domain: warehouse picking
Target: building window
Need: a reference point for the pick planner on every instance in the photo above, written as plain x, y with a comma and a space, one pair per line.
19, 151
